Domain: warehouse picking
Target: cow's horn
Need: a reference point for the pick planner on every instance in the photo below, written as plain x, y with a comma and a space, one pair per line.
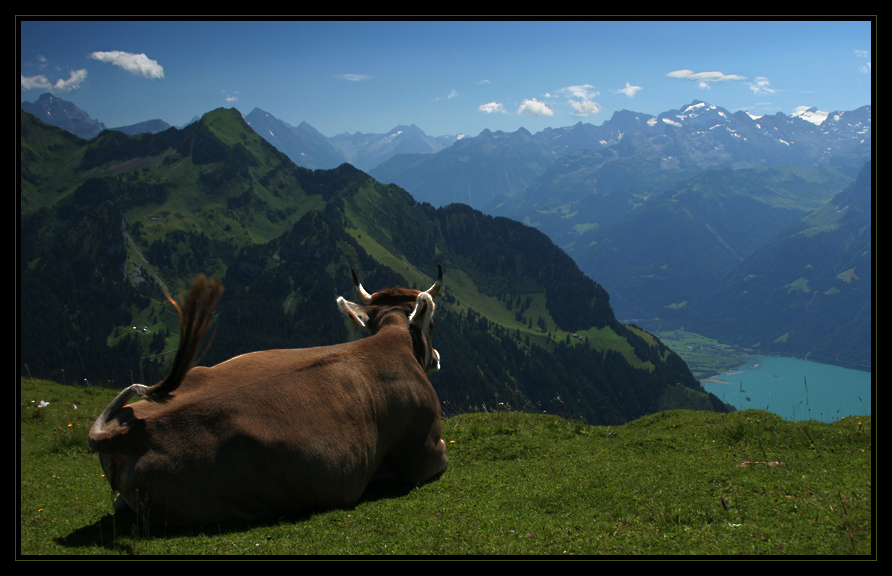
364, 297
435, 289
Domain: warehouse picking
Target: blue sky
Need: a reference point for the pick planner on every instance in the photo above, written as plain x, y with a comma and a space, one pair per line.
445, 77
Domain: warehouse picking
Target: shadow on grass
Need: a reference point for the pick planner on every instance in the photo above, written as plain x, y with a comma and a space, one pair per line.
116, 532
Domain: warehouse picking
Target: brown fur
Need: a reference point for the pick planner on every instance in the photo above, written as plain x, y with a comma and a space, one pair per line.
279, 432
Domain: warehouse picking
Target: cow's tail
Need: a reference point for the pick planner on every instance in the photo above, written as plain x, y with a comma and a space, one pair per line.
196, 311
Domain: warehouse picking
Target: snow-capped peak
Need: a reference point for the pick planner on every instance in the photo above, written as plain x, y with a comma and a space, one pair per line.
812, 114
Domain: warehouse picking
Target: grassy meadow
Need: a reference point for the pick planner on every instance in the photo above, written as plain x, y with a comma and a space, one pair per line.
673, 483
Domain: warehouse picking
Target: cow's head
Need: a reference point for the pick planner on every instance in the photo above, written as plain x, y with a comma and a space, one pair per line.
374, 311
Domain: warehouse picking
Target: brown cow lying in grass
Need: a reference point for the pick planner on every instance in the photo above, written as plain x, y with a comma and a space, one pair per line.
279, 432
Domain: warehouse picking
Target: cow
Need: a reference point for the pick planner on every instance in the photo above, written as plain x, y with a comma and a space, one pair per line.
279, 433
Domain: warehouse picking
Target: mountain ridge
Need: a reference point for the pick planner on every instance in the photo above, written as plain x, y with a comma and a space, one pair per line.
691, 133
581, 184
563, 139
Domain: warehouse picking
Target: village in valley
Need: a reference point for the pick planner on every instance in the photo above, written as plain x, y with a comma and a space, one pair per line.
704, 356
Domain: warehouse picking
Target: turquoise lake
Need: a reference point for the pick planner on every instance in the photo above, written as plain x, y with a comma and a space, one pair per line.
794, 389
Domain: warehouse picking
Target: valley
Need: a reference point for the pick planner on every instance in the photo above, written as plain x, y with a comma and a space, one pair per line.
660, 238
705, 357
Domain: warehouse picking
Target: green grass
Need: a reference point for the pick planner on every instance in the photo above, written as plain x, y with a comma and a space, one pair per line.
673, 483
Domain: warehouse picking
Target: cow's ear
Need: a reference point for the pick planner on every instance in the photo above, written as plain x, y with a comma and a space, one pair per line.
424, 310
355, 313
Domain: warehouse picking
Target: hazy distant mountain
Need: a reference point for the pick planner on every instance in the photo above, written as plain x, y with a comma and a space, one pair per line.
151, 126
472, 171
662, 258
807, 292
63, 114
366, 151
303, 144
492, 171
66, 115
586, 191
309, 148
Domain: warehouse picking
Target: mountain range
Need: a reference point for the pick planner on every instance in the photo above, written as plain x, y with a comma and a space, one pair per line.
58, 112
660, 210
664, 210
630, 151
107, 222
307, 147
303, 144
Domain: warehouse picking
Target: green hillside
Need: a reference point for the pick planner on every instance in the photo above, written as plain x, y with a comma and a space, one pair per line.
678, 482
518, 323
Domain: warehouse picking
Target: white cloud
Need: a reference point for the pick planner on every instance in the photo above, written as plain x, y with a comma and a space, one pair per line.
137, 64
452, 94
583, 91
532, 107
72, 83
584, 107
491, 107
352, 77
864, 54
35, 83
582, 99
629, 90
703, 79
40, 82
761, 85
